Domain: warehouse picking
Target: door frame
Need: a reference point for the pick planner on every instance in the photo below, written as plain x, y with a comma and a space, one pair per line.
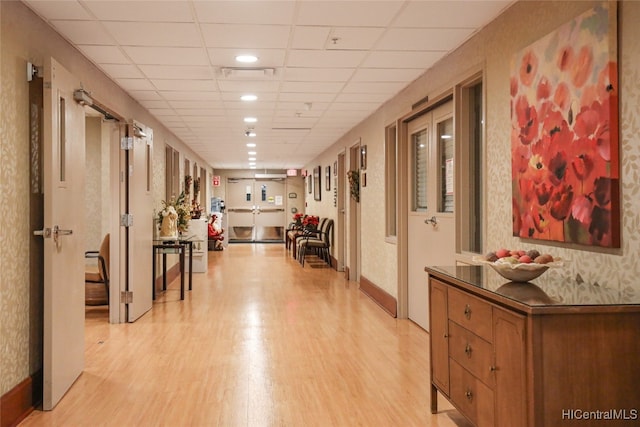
404, 194
354, 219
341, 207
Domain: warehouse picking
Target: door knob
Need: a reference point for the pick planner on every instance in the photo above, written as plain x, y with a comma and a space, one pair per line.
433, 221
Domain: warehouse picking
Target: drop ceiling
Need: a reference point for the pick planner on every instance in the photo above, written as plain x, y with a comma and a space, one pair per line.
323, 66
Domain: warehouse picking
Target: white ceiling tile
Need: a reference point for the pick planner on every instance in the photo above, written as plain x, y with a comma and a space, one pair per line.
306, 97
245, 12
191, 72
374, 87
382, 59
182, 95
248, 86
296, 74
163, 11
312, 87
183, 85
117, 71
310, 37
196, 104
83, 32
443, 39
211, 112
328, 59
347, 13
245, 36
362, 97
162, 112
65, 9
154, 34
104, 54
145, 95
167, 55
148, 104
135, 84
453, 14
405, 75
353, 38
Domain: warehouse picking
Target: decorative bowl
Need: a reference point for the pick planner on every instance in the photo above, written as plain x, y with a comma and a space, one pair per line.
520, 272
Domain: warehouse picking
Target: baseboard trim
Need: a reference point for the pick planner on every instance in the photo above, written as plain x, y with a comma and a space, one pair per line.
386, 301
19, 402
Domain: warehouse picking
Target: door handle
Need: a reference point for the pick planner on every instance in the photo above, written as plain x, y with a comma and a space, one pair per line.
433, 221
57, 231
45, 233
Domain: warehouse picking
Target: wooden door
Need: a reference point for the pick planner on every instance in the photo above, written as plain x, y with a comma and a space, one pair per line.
431, 224
63, 232
139, 203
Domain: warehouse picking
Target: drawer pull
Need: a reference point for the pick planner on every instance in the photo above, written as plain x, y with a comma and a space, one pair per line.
469, 395
492, 369
467, 311
468, 350
445, 336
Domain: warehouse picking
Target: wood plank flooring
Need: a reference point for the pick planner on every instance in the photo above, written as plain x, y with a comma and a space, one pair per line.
260, 341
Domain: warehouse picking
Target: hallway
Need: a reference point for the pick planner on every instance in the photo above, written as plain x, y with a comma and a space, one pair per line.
260, 341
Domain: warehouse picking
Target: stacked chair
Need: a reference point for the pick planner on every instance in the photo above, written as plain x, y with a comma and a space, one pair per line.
317, 241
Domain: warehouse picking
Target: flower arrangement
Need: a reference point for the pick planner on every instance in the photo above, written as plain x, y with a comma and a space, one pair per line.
354, 184
178, 207
311, 221
297, 218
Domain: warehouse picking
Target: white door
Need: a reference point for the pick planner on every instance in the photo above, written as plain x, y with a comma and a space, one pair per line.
431, 224
139, 203
255, 210
64, 158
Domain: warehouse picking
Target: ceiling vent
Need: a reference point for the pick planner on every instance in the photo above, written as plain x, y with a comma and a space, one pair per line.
247, 73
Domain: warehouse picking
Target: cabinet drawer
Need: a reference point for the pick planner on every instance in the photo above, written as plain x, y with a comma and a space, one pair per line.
472, 353
471, 313
471, 396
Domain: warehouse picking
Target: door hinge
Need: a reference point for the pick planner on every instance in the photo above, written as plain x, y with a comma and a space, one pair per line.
126, 220
126, 143
126, 297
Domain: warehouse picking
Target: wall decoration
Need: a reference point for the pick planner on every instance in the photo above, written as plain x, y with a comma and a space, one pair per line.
564, 139
317, 194
293, 195
335, 168
363, 157
327, 178
309, 184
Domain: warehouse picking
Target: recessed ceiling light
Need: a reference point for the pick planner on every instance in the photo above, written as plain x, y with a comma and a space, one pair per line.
251, 145
252, 167
247, 59
252, 153
250, 119
252, 159
250, 133
248, 97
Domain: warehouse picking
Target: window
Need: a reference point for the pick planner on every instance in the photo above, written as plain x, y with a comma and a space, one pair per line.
391, 199
419, 146
471, 174
445, 150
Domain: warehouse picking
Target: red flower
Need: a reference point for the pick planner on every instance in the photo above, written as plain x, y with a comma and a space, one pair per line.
528, 68
583, 66
561, 202
527, 119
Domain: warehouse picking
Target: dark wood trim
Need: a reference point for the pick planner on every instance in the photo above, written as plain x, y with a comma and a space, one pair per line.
380, 296
172, 274
19, 402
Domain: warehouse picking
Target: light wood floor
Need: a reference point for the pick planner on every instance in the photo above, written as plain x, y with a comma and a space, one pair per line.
260, 341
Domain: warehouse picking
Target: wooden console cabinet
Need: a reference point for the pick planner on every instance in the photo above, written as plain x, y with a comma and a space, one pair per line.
523, 355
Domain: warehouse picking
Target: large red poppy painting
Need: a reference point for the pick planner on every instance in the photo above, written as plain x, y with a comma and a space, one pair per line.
564, 138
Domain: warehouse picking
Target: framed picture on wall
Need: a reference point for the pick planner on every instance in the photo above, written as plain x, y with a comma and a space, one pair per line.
327, 178
309, 184
316, 183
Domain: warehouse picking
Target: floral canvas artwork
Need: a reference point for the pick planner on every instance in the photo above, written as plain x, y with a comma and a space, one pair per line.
564, 138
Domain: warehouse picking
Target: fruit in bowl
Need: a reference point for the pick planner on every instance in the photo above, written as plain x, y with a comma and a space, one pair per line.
519, 265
